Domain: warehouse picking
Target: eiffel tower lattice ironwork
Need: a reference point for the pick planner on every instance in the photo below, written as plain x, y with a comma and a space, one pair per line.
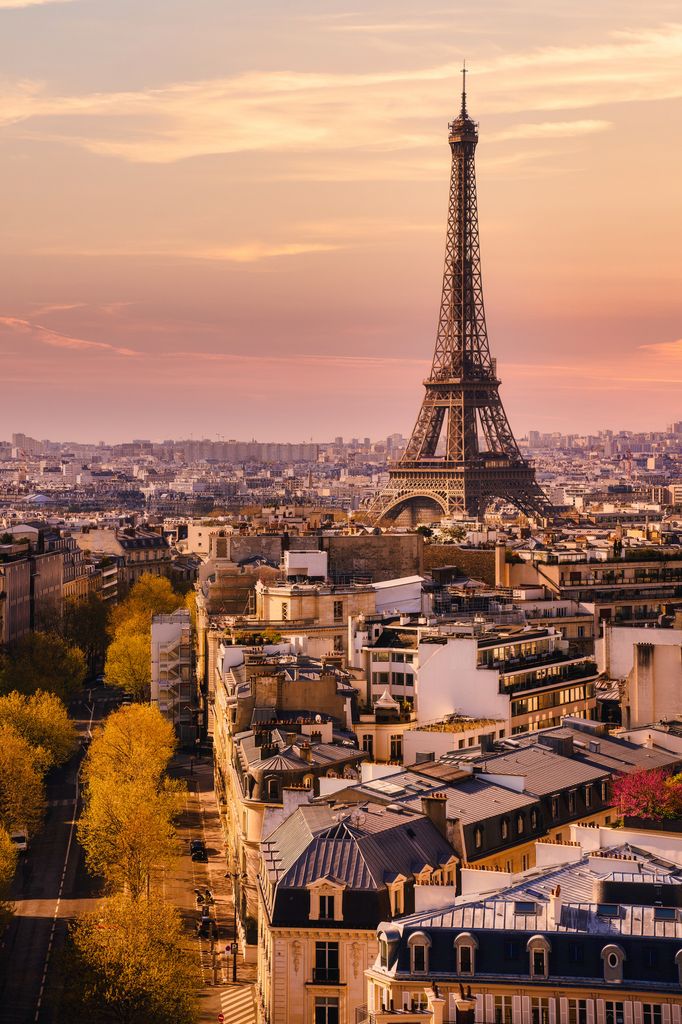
444, 470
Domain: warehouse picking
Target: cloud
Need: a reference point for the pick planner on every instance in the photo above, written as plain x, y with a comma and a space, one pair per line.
384, 111
13, 5
54, 339
667, 349
550, 130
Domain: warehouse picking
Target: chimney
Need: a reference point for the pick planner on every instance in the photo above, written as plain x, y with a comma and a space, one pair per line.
305, 751
555, 903
487, 742
435, 808
291, 739
501, 571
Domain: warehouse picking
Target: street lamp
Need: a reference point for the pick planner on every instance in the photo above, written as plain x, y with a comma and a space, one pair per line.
235, 877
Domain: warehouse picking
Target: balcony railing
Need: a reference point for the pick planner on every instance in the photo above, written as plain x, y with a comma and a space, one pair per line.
586, 670
326, 975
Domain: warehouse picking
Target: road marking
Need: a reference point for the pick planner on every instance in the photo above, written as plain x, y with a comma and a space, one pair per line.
238, 1005
61, 883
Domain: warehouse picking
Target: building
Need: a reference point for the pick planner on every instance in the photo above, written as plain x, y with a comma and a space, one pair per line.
326, 880
647, 665
593, 934
139, 551
173, 688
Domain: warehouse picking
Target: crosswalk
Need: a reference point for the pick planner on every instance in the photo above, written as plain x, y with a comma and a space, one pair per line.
238, 1005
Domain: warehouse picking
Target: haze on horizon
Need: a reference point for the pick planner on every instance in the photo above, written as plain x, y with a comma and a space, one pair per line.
223, 220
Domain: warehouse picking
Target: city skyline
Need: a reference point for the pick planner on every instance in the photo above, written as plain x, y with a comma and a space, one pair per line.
161, 270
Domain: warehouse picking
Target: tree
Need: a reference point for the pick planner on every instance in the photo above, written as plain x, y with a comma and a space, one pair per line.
21, 787
125, 964
84, 624
151, 595
136, 742
128, 663
8, 865
44, 661
127, 830
42, 719
649, 794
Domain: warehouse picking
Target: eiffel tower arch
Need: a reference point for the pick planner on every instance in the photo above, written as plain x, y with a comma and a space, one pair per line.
444, 470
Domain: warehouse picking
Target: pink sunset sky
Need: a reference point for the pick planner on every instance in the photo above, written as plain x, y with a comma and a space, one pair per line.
227, 219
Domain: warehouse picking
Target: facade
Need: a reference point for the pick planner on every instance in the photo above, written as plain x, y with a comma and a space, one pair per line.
139, 551
173, 688
322, 608
327, 878
593, 937
526, 677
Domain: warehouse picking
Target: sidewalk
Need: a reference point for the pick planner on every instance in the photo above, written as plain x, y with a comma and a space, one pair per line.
201, 819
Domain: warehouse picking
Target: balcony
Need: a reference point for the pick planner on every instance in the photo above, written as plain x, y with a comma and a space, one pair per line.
326, 976
584, 670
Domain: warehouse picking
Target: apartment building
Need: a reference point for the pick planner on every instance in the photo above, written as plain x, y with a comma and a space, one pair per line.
173, 688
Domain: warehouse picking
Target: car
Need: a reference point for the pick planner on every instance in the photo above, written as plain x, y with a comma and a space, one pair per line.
197, 850
127, 698
19, 839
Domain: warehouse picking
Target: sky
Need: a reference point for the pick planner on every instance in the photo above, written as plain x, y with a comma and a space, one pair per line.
227, 220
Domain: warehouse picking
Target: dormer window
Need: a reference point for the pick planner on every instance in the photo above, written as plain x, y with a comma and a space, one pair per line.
504, 828
538, 949
326, 908
396, 894
466, 945
326, 900
533, 819
519, 824
613, 957
419, 944
478, 838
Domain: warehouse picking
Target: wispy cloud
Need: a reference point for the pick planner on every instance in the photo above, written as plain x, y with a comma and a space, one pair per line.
666, 349
380, 111
47, 336
12, 5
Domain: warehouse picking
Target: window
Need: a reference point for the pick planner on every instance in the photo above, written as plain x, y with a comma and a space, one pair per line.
326, 908
338, 645
613, 957
604, 792
652, 1013
539, 1009
478, 838
571, 801
538, 949
466, 945
519, 824
383, 952
615, 1012
576, 953
533, 819
577, 1011
396, 892
555, 806
326, 1010
503, 1010
368, 744
419, 943
396, 748
504, 828
272, 789
338, 611
326, 963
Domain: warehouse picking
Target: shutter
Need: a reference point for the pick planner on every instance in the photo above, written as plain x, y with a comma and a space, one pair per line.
525, 1001
666, 1013
489, 1008
601, 1011
516, 1010
480, 1015
552, 1011
590, 1011
677, 1013
563, 1011
628, 1012
638, 1013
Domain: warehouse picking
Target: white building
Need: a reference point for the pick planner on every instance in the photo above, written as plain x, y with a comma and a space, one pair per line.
172, 686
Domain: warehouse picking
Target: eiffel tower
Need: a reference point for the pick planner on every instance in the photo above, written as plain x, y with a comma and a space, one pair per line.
444, 470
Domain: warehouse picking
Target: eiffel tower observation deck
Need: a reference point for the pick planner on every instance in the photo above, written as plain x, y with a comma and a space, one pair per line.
445, 468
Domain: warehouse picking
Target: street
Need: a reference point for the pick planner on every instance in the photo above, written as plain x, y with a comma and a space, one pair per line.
51, 886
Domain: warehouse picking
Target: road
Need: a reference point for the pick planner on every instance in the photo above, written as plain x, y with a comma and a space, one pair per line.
51, 887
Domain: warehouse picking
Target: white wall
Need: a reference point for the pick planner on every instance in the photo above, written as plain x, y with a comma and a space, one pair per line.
305, 563
402, 595
615, 649
448, 680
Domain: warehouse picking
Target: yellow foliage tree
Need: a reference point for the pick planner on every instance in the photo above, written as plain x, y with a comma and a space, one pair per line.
21, 787
128, 663
136, 742
151, 595
126, 831
42, 719
126, 964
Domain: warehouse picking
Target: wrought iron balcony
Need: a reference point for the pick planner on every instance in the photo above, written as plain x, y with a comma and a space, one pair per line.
326, 975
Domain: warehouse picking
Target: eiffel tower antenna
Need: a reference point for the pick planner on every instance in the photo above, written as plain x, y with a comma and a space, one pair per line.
463, 111
444, 469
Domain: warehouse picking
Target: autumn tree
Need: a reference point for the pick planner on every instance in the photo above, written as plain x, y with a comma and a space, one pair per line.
21, 786
126, 831
135, 742
125, 964
151, 595
128, 663
42, 719
43, 661
8, 864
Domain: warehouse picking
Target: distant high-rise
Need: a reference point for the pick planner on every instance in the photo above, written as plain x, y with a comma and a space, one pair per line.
443, 469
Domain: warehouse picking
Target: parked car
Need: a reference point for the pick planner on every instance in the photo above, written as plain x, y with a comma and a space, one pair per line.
19, 839
197, 850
